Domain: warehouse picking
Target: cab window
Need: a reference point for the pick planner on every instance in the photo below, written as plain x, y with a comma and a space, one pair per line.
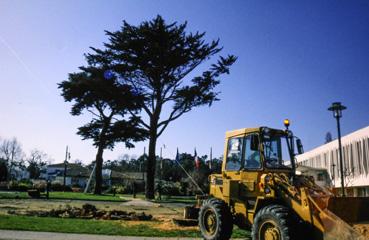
252, 157
234, 154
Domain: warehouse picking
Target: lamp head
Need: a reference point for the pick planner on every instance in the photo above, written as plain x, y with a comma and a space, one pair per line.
337, 108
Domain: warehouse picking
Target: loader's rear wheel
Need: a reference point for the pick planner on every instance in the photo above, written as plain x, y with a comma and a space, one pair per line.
272, 223
215, 220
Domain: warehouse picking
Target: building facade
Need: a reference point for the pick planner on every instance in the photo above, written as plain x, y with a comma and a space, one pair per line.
355, 153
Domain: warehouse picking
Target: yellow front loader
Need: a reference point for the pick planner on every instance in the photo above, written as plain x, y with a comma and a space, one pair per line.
258, 189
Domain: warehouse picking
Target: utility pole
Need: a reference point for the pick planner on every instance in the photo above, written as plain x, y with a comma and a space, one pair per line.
65, 168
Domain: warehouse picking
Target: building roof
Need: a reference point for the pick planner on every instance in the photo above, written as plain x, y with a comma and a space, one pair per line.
73, 169
78, 172
302, 168
61, 165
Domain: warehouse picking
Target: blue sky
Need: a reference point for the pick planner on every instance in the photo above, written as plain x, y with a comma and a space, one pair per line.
294, 59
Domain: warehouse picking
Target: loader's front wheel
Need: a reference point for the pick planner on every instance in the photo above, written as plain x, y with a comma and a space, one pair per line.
271, 223
215, 220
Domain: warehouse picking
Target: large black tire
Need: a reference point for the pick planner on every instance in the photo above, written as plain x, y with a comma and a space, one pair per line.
215, 220
272, 222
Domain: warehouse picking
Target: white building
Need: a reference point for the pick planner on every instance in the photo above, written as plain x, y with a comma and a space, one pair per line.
355, 153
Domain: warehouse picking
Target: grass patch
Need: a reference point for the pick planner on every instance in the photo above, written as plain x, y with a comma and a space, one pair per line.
65, 195
14, 195
121, 228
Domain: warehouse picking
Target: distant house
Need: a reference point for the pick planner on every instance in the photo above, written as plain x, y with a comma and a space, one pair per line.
112, 177
79, 175
19, 173
125, 178
75, 174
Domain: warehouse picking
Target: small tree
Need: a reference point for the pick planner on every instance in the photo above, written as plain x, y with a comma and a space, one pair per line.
156, 59
36, 161
95, 90
328, 137
3, 170
11, 152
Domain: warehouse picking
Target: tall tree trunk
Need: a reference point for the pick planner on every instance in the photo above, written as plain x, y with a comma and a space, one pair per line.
150, 171
151, 161
98, 170
99, 157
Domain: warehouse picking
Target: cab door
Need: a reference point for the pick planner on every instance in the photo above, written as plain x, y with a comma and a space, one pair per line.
252, 167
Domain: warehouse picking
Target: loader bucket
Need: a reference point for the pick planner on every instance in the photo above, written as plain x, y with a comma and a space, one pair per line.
337, 229
350, 209
338, 214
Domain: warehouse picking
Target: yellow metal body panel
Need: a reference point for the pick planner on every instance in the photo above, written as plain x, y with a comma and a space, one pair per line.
246, 191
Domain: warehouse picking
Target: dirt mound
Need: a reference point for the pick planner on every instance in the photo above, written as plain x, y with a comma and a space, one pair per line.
362, 228
88, 211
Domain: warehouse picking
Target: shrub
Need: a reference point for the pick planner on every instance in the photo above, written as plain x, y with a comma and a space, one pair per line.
34, 193
40, 186
19, 186
170, 188
76, 189
56, 186
120, 189
4, 186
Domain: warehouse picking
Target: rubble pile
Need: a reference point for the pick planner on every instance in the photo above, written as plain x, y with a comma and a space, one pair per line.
88, 211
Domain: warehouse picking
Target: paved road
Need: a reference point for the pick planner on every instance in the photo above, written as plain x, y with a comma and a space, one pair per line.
28, 235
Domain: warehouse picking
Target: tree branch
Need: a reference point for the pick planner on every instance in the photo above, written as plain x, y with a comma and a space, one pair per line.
147, 110
139, 119
90, 111
171, 117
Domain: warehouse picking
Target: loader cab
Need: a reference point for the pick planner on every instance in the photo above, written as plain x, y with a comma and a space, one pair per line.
259, 149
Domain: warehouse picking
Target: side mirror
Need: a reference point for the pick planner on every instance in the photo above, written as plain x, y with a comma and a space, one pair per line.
300, 148
254, 143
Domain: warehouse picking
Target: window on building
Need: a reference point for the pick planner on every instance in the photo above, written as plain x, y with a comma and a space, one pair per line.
320, 177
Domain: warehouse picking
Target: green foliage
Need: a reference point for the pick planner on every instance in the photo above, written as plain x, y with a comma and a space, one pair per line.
96, 90
14, 195
65, 195
41, 186
106, 100
170, 188
19, 186
120, 189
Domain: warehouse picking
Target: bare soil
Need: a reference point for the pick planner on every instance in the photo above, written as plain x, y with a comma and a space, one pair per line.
162, 213
363, 228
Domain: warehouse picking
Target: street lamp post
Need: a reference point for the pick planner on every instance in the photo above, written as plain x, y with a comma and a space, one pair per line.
337, 108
